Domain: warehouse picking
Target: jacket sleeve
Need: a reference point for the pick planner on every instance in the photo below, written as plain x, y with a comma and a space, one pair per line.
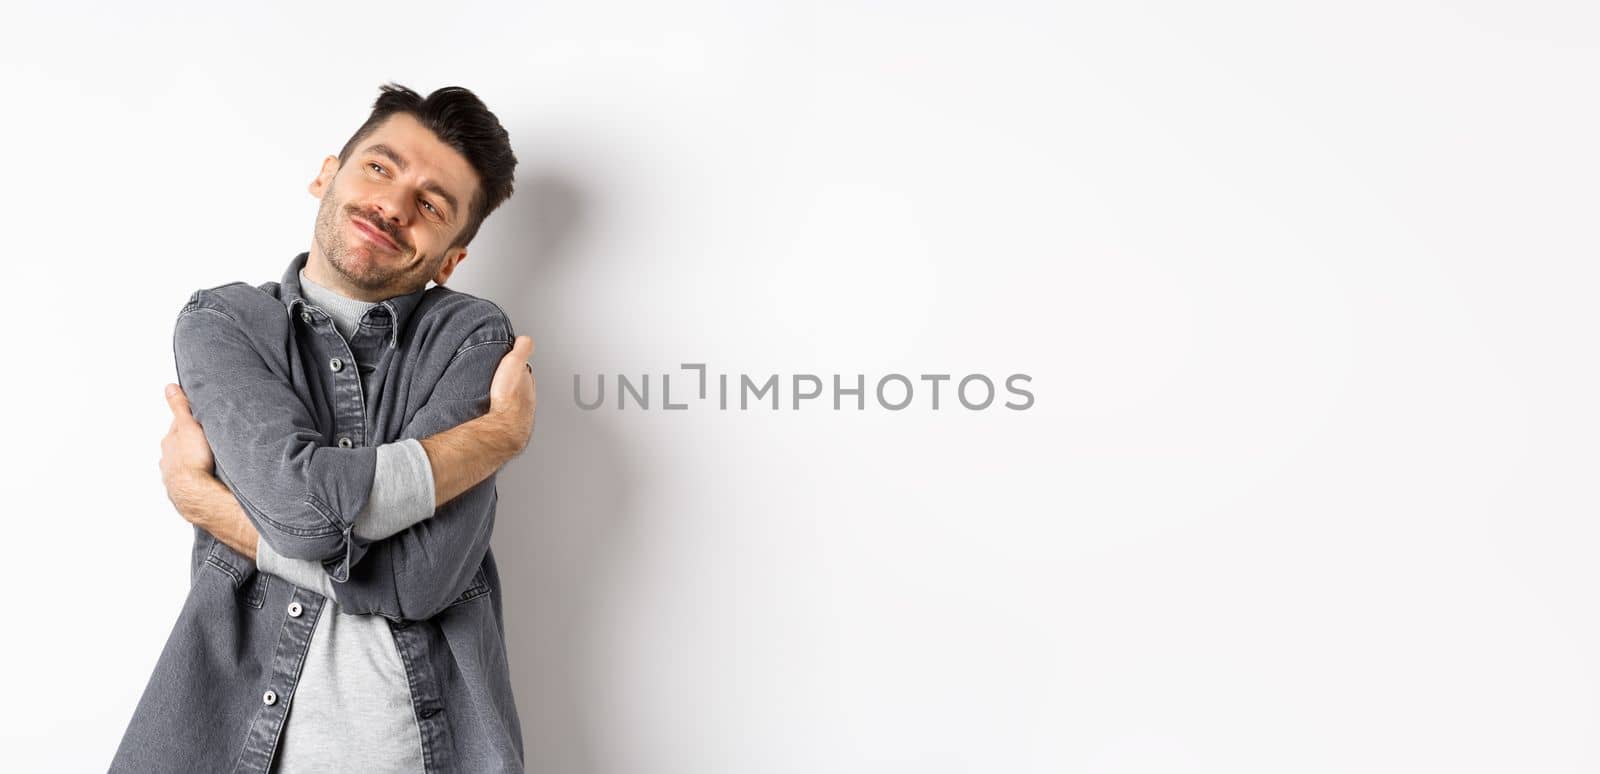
301, 494
402, 495
419, 571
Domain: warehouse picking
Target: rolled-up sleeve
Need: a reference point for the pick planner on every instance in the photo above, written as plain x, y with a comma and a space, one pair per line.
402, 495
402, 490
303, 496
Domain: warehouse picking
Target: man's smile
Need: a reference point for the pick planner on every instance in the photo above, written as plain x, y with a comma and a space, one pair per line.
373, 234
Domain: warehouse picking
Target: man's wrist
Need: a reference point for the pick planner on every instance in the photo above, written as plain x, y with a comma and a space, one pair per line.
497, 432
187, 491
204, 501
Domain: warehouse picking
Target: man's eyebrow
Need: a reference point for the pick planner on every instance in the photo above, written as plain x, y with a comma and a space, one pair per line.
388, 153
430, 186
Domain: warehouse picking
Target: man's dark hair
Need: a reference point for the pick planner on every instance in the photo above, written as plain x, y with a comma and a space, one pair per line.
460, 120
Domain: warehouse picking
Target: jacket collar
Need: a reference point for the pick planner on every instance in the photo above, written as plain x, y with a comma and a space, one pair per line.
399, 307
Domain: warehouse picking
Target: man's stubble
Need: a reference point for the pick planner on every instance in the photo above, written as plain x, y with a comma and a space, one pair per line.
371, 274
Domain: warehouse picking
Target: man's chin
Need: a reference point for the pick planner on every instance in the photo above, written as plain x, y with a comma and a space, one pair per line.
367, 254
370, 272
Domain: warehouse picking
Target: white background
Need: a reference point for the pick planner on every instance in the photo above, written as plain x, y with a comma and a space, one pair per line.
1307, 295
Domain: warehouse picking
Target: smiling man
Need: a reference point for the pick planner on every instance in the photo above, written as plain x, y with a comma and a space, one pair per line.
334, 442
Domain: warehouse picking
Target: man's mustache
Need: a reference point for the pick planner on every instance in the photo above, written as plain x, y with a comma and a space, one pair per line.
381, 227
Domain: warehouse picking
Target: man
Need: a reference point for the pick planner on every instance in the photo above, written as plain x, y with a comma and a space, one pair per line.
344, 611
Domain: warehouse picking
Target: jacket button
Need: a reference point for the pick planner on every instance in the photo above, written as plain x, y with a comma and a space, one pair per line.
344, 442
294, 609
305, 317
336, 364
269, 698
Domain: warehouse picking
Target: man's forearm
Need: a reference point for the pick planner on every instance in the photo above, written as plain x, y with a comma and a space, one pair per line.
459, 458
468, 453
210, 505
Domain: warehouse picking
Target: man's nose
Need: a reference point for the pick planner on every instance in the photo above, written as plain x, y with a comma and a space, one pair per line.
391, 206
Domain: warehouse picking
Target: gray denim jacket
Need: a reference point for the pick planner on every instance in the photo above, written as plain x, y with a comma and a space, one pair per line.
293, 425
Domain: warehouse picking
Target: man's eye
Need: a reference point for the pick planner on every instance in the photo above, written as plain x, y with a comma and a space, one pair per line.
429, 205
375, 166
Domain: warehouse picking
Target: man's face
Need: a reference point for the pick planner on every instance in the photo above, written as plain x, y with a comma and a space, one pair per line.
389, 213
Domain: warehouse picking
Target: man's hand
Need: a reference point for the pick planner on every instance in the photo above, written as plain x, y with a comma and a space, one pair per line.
472, 451
186, 471
513, 393
186, 460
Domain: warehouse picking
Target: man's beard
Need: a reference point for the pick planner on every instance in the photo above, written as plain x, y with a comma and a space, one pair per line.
373, 275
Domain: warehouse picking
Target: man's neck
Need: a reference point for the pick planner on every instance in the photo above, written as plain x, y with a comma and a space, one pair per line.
345, 311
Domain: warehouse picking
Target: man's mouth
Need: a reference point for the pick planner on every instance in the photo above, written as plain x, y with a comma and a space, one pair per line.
373, 234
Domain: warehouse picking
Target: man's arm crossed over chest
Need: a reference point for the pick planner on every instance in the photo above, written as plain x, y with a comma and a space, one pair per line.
477, 416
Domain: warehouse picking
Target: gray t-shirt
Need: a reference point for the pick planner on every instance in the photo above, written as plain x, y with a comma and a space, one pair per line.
352, 709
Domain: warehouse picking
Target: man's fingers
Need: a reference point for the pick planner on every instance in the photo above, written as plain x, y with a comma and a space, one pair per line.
522, 348
178, 402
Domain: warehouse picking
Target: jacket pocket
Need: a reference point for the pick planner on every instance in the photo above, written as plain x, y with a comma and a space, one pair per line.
248, 582
479, 587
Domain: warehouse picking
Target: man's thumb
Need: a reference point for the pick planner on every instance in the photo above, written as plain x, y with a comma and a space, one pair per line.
177, 401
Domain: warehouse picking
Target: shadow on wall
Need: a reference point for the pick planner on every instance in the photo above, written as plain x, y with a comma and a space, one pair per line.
563, 510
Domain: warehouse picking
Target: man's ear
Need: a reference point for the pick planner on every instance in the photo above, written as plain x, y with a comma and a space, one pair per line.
319, 185
452, 258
